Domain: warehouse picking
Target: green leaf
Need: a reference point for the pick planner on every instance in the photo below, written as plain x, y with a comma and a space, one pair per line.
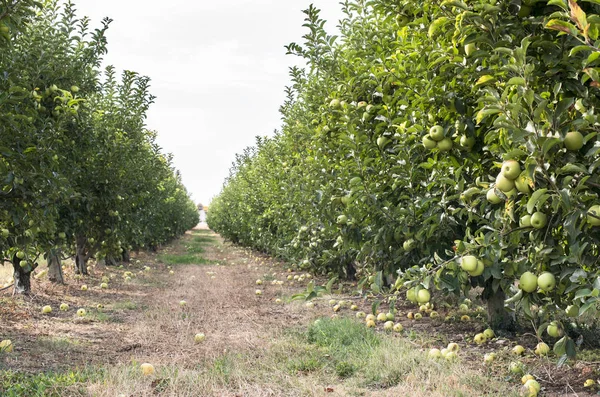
572, 169
520, 81
436, 25
485, 79
535, 197
330, 284
375, 306
485, 112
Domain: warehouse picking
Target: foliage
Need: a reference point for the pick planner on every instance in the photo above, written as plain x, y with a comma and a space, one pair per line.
79, 171
352, 184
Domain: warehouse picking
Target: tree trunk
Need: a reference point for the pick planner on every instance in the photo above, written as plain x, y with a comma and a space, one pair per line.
22, 278
498, 317
126, 257
111, 261
81, 257
55, 273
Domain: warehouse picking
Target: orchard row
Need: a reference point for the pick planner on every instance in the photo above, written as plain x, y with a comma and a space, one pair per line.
435, 147
80, 175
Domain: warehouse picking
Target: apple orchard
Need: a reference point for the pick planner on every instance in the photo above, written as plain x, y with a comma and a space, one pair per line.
436, 149
80, 175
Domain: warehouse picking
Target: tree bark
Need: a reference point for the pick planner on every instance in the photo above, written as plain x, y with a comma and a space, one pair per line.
498, 317
81, 257
22, 278
126, 256
55, 273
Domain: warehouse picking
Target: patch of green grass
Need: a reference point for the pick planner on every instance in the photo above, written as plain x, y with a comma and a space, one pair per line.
15, 384
185, 259
56, 344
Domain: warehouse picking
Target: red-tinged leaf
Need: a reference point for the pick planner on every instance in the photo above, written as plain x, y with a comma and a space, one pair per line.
578, 16
562, 26
329, 390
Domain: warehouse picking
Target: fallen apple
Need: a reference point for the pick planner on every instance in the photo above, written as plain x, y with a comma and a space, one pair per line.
6, 346
542, 349
398, 327
489, 333
360, 315
147, 369
46, 309
64, 307
198, 338
435, 353
388, 326
258, 292
81, 312
479, 339
518, 350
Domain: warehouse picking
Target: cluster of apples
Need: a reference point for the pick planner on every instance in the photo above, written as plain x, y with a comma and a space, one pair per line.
450, 352
64, 307
386, 318
545, 282
436, 139
510, 181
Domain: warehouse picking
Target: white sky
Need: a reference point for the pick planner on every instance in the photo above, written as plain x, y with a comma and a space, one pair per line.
218, 70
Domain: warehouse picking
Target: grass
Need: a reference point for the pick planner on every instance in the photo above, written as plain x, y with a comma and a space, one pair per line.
194, 247
13, 384
340, 353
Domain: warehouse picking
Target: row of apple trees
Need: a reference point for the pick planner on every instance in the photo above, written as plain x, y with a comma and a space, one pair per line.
437, 145
80, 175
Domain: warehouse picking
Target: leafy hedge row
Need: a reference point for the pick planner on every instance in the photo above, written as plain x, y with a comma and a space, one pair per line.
80, 174
390, 159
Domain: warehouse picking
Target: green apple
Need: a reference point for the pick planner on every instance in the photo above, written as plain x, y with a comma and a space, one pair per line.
522, 185
453, 347
489, 333
589, 383
381, 317
538, 220
81, 312
528, 282
492, 197
554, 330
504, 184
409, 245
516, 367
342, 220
335, 103
468, 263
435, 353
479, 339
74, 88
511, 169
371, 324
147, 369
354, 307
198, 338
258, 292
411, 296
390, 316
370, 317
46, 309
518, 350
489, 358
572, 311
532, 386
445, 144
433, 314
182, 303
573, 140
332, 302
436, 133
429, 143
382, 141
84, 287
361, 314
463, 307
451, 356
388, 326
542, 349
478, 270
309, 305
418, 316
64, 307
423, 296
467, 142
104, 285
526, 377
594, 220
546, 281
20, 254
525, 221
470, 49
6, 346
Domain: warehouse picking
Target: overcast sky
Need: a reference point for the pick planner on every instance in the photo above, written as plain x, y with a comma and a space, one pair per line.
218, 70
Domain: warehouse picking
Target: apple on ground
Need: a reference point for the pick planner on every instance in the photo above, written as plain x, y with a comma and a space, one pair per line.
6, 346
64, 307
518, 350
388, 326
310, 305
479, 339
542, 349
147, 369
81, 312
47, 309
398, 327
381, 317
371, 324
435, 353
200, 337
360, 315
370, 317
